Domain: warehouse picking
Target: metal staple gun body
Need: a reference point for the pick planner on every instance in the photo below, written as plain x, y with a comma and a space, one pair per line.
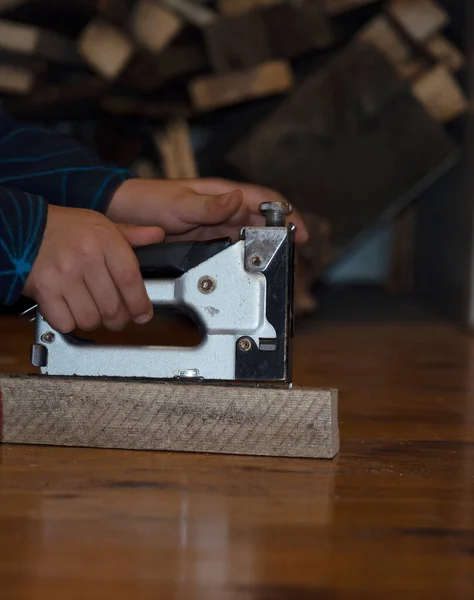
240, 294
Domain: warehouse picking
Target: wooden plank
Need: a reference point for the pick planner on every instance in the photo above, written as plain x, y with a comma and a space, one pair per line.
445, 52
296, 422
440, 94
105, 48
354, 127
154, 26
420, 19
216, 91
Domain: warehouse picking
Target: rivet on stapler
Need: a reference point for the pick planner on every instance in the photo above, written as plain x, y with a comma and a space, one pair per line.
240, 293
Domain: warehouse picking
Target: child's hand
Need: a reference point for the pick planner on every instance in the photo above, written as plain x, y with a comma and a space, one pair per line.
195, 209
86, 273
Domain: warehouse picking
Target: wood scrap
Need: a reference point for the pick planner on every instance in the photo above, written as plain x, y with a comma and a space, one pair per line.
154, 26
175, 147
382, 35
15, 80
445, 53
440, 94
134, 415
105, 48
26, 39
210, 92
420, 19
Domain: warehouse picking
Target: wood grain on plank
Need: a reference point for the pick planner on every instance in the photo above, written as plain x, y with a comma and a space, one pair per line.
215, 91
295, 422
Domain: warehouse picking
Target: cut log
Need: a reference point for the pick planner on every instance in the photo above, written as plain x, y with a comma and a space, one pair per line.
154, 26
105, 48
134, 415
15, 80
441, 95
445, 52
217, 91
381, 33
26, 39
175, 147
420, 19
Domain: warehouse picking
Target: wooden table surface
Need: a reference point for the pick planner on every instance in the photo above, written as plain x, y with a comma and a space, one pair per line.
391, 517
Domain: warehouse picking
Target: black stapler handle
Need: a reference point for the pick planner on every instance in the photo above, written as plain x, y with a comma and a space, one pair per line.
171, 260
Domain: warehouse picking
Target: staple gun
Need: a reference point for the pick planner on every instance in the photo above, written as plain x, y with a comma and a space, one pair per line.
240, 294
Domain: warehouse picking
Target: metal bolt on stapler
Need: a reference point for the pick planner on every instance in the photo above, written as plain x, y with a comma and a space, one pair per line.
239, 292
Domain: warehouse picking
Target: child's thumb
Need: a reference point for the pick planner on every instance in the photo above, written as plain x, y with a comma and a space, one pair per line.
200, 209
142, 236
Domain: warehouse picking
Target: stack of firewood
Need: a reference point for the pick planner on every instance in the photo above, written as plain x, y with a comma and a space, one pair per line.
377, 100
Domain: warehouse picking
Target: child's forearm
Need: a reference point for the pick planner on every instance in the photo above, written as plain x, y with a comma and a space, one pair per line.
46, 163
22, 224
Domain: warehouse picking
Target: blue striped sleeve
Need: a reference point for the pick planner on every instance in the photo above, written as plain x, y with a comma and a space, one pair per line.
22, 224
46, 163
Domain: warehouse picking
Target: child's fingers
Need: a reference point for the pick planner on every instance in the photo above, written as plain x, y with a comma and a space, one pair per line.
107, 298
125, 272
82, 307
56, 312
253, 195
198, 209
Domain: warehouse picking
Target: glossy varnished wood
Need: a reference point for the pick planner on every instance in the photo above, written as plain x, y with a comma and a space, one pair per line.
391, 517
